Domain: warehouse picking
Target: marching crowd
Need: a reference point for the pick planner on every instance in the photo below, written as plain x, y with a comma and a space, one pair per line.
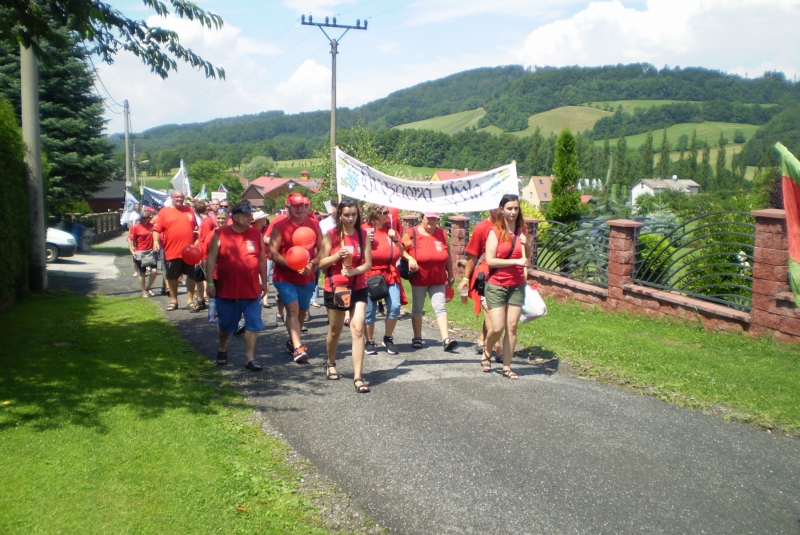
224, 255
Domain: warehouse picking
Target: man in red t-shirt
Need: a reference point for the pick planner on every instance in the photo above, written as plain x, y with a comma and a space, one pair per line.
175, 228
236, 260
295, 287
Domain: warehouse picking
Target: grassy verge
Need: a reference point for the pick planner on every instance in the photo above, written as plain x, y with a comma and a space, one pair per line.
742, 378
119, 251
111, 423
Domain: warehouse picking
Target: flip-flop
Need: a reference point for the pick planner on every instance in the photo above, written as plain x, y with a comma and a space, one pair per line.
254, 365
150, 292
222, 358
449, 344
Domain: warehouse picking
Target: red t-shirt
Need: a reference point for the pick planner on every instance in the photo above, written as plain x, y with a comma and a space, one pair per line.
385, 254
205, 242
431, 254
177, 226
207, 226
477, 245
511, 275
286, 228
276, 219
335, 271
142, 236
237, 268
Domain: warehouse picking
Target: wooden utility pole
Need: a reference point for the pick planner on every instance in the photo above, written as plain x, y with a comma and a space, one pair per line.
29, 93
126, 111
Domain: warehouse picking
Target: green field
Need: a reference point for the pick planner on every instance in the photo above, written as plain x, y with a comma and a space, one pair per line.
708, 131
449, 124
576, 118
629, 106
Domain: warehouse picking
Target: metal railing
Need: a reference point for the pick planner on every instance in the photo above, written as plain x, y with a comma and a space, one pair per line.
709, 257
578, 250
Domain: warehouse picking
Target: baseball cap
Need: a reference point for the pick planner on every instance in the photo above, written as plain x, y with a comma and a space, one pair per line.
258, 214
307, 201
295, 198
242, 209
431, 214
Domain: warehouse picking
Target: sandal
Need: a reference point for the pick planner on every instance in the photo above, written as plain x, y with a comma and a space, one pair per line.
363, 389
193, 307
449, 344
347, 322
331, 375
150, 292
486, 364
144, 295
254, 365
416, 342
222, 358
172, 306
508, 374
479, 349
498, 358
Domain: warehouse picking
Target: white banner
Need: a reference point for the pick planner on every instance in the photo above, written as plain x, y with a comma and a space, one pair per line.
181, 181
471, 194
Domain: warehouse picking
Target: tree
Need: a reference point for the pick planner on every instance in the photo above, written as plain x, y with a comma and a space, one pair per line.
692, 169
258, 166
704, 177
621, 161
664, 162
721, 172
647, 156
566, 203
79, 156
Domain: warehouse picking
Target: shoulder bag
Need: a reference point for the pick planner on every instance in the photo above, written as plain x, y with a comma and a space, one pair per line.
402, 267
376, 284
342, 294
481, 278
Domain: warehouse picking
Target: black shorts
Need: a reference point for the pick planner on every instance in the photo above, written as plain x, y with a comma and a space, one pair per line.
177, 267
199, 274
358, 296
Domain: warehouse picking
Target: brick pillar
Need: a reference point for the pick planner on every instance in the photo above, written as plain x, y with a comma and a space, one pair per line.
458, 242
773, 307
532, 226
621, 255
409, 221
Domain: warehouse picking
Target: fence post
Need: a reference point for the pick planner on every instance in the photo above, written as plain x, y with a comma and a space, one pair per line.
532, 226
621, 255
409, 221
458, 243
773, 307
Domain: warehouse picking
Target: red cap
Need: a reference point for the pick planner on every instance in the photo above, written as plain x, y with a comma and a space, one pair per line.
307, 201
295, 198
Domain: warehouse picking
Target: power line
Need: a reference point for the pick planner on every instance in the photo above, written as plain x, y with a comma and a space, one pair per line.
94, 70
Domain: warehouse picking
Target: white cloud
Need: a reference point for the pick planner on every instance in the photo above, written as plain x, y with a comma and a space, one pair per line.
445, 10
317, 8
727, 35
309, 88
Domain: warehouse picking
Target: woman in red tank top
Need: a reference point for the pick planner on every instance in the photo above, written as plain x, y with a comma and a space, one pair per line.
507, 259
345, 257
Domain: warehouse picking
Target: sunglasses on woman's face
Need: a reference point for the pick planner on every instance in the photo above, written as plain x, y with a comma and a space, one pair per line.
385, 213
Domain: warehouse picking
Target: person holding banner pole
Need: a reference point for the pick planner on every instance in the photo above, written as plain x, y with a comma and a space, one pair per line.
507, 258
428, 253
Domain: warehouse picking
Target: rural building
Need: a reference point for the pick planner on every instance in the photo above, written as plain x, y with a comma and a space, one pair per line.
451, 175
270, 187
537, 190
109, 198
653, 186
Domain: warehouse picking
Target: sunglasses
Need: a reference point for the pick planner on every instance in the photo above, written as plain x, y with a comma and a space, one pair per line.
385, 213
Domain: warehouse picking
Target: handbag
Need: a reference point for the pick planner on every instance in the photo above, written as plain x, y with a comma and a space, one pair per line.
534, 306
480, 279
402, 267
342, 294
376, 284
148, 259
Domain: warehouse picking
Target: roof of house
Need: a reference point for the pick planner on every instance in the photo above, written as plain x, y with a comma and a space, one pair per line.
111, 189
268, 184
242, 180
542, 185
451, 175
680, 184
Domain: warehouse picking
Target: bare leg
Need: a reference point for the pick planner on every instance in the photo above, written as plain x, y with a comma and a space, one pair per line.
369, 328
201, 290
293, 323
444, 328
190, 285
390, 325
336, 321
173, 290
250, 338
141, 285
223, 341
497, 317
512, 321
150, 282
357, 333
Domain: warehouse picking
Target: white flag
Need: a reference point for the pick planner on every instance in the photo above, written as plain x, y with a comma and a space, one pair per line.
181, 181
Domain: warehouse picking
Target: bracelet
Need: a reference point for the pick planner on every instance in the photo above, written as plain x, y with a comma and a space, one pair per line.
209, 283
465, 279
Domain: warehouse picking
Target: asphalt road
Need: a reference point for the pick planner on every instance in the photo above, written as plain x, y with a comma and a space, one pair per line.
438, 447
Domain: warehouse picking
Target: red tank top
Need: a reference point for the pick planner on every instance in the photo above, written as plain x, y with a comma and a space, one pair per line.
334, 272
286, 229
511, 275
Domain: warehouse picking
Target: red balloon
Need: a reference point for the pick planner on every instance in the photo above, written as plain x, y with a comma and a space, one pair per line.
191, 254
297, 257
305, 238
449, 293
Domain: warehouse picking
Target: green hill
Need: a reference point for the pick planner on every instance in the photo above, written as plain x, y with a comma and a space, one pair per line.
448, 124
706, 131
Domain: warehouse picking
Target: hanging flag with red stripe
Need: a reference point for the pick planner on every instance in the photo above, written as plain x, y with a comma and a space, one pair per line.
222, 189
791, 203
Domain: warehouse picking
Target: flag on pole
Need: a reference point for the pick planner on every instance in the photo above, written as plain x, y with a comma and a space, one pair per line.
181, 181
130, 201
791, 203
222, 189
203, 196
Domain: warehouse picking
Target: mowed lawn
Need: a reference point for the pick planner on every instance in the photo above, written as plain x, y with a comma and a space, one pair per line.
111, 423
748, 379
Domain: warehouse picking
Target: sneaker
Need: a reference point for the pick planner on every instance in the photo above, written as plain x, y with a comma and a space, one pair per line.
370, 348
289, 347
388, 343
299, 355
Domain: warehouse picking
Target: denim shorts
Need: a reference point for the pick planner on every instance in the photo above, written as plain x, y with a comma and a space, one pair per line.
229, 311
392, 305
292, 293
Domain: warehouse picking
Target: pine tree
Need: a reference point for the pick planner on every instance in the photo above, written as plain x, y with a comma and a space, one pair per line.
721, 172
605, 157
647, 157
704, 176
692, 168
664, 162
621, 162
534, 157
565, 206
79, 158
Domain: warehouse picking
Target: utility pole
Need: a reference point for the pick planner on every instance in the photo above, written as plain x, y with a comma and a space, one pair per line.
135, 174
127, 145
29, 92
334, 52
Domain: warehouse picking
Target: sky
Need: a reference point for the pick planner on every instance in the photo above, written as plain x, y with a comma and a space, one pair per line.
272, 62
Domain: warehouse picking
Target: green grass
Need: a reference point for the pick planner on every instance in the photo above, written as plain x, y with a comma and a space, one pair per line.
111, 423
576, 118
161, 182
629, 106
119, 251
756, 380
708, 131
449, 124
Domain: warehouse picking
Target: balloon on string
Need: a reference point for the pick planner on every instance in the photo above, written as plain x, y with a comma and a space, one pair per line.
297, 257
305, 238
449, 293
191, 254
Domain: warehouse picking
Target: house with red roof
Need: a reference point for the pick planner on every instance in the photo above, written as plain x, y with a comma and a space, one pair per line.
451, 175
272, 187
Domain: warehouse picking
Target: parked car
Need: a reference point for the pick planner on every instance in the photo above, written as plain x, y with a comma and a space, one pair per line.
59, 243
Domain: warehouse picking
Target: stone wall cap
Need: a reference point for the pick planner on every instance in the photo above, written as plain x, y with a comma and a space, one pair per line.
459, 218
772, 213
625, 223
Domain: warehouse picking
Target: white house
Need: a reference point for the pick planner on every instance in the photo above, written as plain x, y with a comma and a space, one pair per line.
537, 190
652, 186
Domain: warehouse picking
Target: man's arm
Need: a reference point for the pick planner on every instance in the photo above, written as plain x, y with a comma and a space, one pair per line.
211, 264
156, 241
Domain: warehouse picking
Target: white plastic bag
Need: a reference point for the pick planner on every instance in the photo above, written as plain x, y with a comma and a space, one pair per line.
534, 306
